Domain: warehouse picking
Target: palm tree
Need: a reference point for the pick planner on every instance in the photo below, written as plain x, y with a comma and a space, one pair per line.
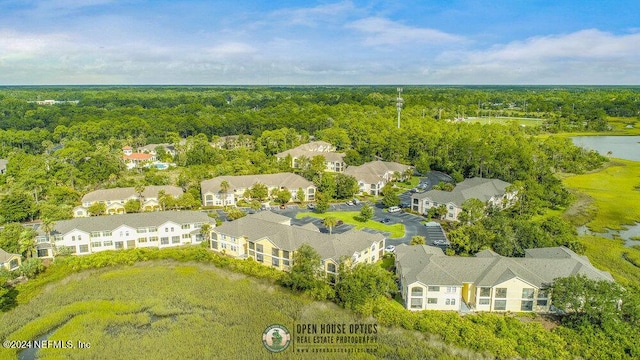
205, 231
330, 222
224, 186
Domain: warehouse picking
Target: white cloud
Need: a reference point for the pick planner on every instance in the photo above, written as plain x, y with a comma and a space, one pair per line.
380, 31
314, 15
585, 44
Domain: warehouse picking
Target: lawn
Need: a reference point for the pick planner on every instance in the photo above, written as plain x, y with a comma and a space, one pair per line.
614, 193
349, 217
136, 312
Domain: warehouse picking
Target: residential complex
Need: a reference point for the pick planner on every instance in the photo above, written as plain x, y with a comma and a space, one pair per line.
374, 175
151, 149
270, 239
334, 160
135, 159
227, 190
115, 198
488, 191
9, 261
430, 280
153, 229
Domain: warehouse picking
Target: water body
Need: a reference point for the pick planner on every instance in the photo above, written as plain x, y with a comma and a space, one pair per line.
622, 147
626, 234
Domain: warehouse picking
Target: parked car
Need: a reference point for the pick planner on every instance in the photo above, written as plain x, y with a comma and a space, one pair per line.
394, 209
390, 249
311, 206
339, 222
350, 203
441, 243
356, 201
385, 220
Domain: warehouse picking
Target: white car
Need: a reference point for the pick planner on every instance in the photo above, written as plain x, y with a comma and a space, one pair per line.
394, 209
390, 249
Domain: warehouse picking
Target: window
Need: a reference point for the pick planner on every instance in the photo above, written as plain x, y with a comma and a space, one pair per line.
416, 303
275, 261
527, 293
259, 257
432, 300
450, 302
526, 305
485, 291
500, 305
186, 226
153, 229
153, 239
433, 288
416, 291
164, 240
73, 238
542, 298
119, 245
13, 264
172, 229
252, 246
141, 230
331, 267
285, 262
214, 244
451, 290
95, 234
175, 239
275, 252
108, 243
259, 248
106, 233
186, 236
501, 293
96, 244
484, 301
450, 207
43, 252
142, 240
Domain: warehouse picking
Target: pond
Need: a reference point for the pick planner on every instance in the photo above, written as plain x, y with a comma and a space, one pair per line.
622, 147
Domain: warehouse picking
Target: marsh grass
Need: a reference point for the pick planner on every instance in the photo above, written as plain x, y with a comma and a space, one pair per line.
165, 309
612, 256
612, 189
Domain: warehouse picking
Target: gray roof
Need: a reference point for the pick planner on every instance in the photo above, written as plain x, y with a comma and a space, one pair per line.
290, 181
373, 171
146, 219
314, 148
429, 265
5, 256
129, 192
290, 238
475, 188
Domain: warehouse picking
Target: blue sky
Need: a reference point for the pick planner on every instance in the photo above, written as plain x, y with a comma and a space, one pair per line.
322, 42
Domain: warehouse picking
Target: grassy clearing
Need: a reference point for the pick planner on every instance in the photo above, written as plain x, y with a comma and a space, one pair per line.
349, 217
507, 121
614, 194
134, 312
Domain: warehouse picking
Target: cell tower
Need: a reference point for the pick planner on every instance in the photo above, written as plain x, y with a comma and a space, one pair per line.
399, 102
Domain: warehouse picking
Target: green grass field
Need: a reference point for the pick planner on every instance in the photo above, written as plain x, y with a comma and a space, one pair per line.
349, 217
614, 194
170, 310
506, 121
